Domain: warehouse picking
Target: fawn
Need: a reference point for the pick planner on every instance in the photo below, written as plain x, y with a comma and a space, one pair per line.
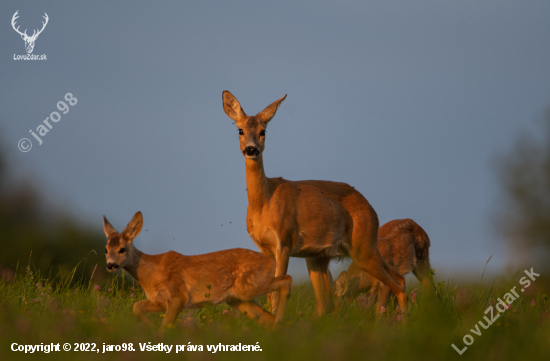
173, 282
405, 246
311, 219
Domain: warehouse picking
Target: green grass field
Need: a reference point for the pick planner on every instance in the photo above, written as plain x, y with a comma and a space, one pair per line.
36, 311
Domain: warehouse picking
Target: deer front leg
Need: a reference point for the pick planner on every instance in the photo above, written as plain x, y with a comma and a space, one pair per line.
141, 307
318, 273
282, 256
175, 305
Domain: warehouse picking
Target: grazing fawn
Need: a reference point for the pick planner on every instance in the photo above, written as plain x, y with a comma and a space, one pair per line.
315, 220
173, 282
405, 246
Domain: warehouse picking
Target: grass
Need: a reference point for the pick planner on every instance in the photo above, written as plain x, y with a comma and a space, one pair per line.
72, 310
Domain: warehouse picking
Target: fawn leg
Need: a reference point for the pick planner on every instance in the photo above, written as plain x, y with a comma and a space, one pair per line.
253, 311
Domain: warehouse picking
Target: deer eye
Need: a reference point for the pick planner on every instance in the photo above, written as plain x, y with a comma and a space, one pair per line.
106, 250
122, 250
241, 132
262, 133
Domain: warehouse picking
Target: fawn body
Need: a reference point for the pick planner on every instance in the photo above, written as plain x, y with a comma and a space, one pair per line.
316, 220
173, 282
405, 246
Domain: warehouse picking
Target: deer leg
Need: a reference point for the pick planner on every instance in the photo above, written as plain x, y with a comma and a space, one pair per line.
282, 256
375, 265
284, 285
175, 305
383, 295
141, 307
253, 311
318, 273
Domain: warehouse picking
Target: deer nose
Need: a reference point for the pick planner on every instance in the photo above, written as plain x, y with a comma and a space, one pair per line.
251, 151
112, 266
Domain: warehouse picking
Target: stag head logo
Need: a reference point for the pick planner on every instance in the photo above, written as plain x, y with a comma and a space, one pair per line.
29, 40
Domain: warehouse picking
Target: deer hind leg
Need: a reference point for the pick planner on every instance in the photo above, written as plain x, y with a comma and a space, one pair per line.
141, 307
318, 273
253, 311
384, 293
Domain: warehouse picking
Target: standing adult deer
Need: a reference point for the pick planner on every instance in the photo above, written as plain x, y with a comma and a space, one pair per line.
315, 220
172, 281
406, 247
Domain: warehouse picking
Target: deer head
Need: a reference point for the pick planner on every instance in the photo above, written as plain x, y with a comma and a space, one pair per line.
251, 128
119, 250
29, 40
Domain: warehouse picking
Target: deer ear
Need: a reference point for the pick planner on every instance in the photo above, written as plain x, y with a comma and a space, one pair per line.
269, 112
232, 107
133, 228
341, 284
108, 228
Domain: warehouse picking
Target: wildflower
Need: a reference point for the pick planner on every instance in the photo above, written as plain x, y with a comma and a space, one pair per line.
39, 285
132, 295
35, 300
399, 318
416, 289
132, 288
382, 309
110, 290
97, 288
225, 312
533, 302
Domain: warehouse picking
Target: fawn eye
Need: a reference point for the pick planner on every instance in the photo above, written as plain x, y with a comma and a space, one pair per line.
122, 250
106, 250
262, 133
241, 132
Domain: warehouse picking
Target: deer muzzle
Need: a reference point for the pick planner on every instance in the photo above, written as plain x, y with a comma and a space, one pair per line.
251, 151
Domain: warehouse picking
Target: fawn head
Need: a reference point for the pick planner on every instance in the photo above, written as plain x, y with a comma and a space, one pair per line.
251, 128
119, 247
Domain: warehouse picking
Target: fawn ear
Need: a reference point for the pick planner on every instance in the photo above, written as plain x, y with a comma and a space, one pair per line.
108, 228
269, 112
341, 284
133, 228
232, 107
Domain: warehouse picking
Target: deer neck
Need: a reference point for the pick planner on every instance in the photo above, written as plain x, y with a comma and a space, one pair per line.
257, 187
137, 265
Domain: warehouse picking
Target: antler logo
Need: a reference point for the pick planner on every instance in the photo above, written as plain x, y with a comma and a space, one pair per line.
29, 40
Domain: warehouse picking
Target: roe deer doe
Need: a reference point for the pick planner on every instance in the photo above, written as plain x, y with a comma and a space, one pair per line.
173, 282
405, 246
316, 220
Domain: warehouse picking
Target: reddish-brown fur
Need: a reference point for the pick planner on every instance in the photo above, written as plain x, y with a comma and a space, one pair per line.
406, 247
173, 282
316, 220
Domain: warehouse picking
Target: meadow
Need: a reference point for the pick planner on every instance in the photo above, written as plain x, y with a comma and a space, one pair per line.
74, 309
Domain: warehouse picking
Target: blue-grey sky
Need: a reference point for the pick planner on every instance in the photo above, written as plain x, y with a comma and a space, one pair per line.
408, 101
